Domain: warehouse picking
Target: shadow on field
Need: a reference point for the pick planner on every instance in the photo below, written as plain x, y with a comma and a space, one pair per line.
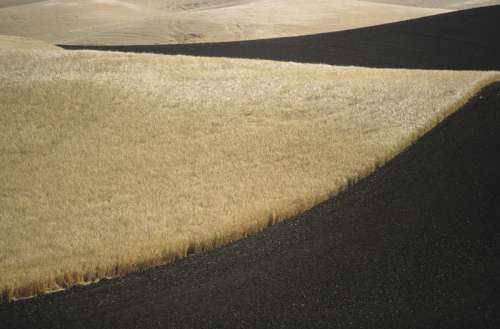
462, 40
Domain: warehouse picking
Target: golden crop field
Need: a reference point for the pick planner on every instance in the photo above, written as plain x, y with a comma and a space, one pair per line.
107, 22
112, 162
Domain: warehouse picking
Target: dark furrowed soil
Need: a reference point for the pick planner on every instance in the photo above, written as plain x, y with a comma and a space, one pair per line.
414, 245
461, 40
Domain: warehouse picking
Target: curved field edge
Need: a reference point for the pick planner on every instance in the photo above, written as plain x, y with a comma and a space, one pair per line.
134, 22
113, 163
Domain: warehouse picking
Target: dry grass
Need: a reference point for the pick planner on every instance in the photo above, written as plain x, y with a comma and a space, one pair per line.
175, 21
112, 162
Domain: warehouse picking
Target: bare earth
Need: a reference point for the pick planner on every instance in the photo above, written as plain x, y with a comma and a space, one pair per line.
394, 250
448, 4
107, 22
112, 162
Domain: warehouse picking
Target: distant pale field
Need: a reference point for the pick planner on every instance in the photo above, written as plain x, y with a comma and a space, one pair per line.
11, 3
155, 21
112, 162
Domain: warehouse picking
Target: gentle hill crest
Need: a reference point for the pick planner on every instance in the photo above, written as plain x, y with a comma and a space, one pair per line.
113, 162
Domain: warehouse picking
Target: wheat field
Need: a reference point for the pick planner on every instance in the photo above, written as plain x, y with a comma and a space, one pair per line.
107, 22
113, 162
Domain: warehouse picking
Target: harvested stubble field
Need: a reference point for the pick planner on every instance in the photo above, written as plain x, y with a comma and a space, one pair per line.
113, 162
118, 22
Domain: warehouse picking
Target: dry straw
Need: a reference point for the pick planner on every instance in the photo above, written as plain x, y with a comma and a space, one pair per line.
115, 162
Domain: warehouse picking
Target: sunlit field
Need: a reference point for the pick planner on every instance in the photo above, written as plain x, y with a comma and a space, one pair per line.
108, 22
114, 162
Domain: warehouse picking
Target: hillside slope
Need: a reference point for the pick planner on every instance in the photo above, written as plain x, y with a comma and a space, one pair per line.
154, 21
113, 162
